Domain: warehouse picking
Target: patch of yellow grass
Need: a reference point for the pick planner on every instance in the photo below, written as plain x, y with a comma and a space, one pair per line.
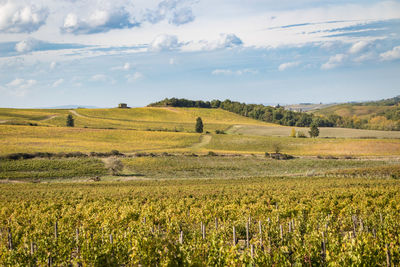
15, 139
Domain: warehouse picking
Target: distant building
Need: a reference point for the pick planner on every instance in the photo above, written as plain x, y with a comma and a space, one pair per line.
122, 105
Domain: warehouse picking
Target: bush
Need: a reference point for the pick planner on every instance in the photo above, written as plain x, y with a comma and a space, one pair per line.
114, 165
70, 121
220, 132
300, 134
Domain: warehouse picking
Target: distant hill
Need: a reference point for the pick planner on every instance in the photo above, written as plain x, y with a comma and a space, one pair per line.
69, 107
306, 107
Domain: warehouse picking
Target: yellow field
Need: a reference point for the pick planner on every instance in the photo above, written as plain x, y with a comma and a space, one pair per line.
348, 110
305, 146
172, 129
261, 130
15, 139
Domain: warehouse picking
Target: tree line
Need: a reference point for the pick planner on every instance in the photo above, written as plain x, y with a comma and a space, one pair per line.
264, 113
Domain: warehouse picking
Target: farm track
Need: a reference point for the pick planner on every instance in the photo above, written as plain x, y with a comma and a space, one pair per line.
204, 140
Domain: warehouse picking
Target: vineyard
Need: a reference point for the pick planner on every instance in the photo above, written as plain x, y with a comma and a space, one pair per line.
259, 221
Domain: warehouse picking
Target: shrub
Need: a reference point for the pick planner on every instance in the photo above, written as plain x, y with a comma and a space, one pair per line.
300, 134
220, 132
70, 121
114, 165
199, 125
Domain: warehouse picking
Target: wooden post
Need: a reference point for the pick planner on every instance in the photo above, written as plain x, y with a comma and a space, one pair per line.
247, 235
56, 230
234, 236
290, 226
374, 232
252, 251
111, 239
49, 261
32, 248
388, 257
281, 231
10, 241
204, 231
361, 225
260, 231
216, 223
323, 248
181, 237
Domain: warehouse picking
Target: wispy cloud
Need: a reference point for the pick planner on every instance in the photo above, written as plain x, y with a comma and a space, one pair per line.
234, 72
334, 61
134, 77
19, 87
58, 82
288, 65
391, 54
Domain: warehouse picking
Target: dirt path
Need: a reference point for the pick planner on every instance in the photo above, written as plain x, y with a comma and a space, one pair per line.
77, 114
50, 117
204, 140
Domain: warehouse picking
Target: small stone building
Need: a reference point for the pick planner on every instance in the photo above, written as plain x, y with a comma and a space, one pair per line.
122, 105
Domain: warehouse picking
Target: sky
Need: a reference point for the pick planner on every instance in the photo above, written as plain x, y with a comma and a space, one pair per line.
104, 52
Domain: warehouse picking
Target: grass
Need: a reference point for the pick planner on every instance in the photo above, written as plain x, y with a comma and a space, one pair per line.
14, 139
33, 169
235, 166
305, 146
324, 132
350, 110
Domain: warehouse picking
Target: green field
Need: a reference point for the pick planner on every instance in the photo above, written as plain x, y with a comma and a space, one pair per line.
350, 110
304, 221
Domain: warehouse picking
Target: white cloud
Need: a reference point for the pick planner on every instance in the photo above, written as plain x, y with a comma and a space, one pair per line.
358, 47
391, 54
165, 42
16, 18
134, 77
27, 45
53, 65
126, 66
98, 78
99, 21
234, 72
58, 82
334, 61
19, 87
177, 12
172, 61
224, 41
288, 65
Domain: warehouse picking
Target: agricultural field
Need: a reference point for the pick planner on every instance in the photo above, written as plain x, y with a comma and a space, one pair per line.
254, 221
324, 132
183, 198
350, 110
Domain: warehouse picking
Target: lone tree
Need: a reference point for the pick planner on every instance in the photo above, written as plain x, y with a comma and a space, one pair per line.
70, 121
199, 125
314, 131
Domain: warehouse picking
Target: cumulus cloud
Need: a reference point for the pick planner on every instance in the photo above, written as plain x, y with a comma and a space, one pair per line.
27, 45
16, 18
175, 11
53, 65
358, 47
134, 77
391, 54
224, 41
165, 42
58, 82
19, 87
334, 61
99, 21
288, 65
234, 72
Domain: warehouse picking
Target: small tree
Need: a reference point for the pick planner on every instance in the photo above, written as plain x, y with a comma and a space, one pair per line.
199, 125
70, 121
277, 147
314, 131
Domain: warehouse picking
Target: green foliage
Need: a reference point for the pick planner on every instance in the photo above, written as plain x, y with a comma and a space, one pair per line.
199, 125
70, 121
31, 169
144, 220
314, 131
293, 132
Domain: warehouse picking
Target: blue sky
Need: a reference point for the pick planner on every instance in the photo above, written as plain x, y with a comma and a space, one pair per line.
103, 52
